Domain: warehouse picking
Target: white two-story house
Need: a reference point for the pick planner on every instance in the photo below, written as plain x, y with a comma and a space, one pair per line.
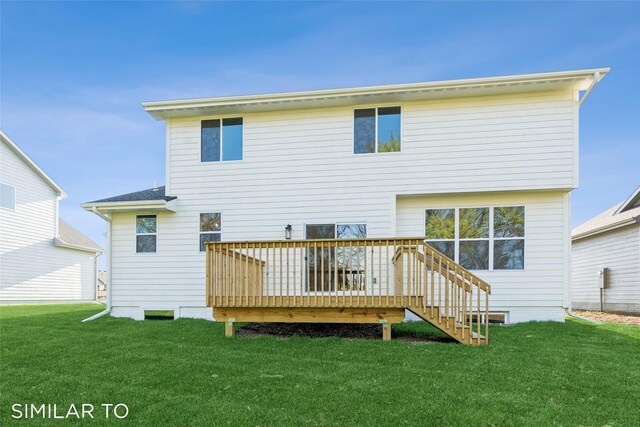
480, 169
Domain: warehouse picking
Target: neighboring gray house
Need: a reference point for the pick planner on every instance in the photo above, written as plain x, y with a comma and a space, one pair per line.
606, 259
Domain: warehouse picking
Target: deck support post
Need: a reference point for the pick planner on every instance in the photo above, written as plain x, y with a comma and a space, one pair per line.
386, 330
229, 328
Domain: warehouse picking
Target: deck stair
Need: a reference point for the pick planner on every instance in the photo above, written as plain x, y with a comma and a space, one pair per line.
346, 281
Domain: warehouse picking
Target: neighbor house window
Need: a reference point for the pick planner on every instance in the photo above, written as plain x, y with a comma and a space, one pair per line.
210, 228
146, 233
479, 238
221, 140
376, 130
7, 196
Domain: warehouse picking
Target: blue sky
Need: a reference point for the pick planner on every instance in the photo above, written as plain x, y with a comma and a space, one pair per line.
73, 74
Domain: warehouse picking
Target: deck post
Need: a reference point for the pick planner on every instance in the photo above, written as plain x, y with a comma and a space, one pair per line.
386, 330
229, 328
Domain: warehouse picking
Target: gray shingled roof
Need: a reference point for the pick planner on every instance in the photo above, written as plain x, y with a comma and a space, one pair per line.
72, 237
149, 194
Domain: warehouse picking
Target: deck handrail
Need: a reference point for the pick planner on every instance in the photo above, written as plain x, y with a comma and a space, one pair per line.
350, 273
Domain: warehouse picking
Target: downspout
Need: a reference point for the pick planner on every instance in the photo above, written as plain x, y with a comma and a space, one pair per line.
596, 79
108, 309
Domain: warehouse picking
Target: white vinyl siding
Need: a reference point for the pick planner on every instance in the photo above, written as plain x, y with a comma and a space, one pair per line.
299, 168
32, 269
619, 251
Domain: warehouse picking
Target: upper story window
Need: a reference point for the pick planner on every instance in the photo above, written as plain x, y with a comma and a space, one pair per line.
210, 228
376, 130
7, 196
221, 140
478, 238
146, 233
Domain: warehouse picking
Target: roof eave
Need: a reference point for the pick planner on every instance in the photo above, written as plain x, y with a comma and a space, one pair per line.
139, 205
608, 227
62, 244
166, 109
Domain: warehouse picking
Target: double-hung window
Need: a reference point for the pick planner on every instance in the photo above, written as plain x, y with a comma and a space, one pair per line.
210, 228
7, 196
376, 130
479, 238
146, 233
221, 140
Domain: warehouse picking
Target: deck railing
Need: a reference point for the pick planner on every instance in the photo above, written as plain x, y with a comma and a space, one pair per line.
345, 273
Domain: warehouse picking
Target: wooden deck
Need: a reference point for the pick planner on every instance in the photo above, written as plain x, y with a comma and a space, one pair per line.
345, 281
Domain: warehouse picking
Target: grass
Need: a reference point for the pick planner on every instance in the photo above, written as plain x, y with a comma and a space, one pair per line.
185, 372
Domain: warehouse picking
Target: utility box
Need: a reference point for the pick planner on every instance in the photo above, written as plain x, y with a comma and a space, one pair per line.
603, 278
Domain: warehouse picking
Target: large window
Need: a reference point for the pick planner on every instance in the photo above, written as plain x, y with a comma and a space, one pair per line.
376, 130
210, 228
7, 196
479, 238
146, 233
221, 139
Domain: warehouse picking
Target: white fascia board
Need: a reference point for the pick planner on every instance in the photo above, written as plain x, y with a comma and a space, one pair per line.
580, 79
158, 205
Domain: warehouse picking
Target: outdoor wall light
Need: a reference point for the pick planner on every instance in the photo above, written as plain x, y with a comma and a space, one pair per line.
287, 232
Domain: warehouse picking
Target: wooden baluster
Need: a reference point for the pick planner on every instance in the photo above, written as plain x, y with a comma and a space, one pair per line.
486, 316
281, 276
308, 277
387, 261
287, 247
380, 244
315, 273
464, 306
336, 276
343, 286
275, 277
295, 282
353, 284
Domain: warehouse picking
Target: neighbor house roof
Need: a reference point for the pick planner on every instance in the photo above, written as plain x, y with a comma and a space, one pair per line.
149, 199
520, 83
69, 237
13, 146
620, 215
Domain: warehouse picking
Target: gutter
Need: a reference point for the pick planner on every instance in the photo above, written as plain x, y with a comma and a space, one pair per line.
108, 309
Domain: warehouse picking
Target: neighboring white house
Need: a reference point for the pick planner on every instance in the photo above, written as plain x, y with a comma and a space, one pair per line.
606, 259
499, 152
42, 258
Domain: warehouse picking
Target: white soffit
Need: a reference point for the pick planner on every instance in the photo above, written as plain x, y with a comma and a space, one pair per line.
523, 83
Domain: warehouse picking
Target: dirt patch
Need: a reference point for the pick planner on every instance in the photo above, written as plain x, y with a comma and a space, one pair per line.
601, 316
341, 330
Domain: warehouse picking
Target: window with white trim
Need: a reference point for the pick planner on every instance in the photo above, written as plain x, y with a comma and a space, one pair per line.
210, 228
376, 130
146, 233
221, 139
479, 238
7, 196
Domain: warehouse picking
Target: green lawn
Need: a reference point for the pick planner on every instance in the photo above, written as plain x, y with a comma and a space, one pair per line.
185, 372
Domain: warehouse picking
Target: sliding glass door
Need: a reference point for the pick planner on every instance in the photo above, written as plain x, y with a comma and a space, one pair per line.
330, 268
